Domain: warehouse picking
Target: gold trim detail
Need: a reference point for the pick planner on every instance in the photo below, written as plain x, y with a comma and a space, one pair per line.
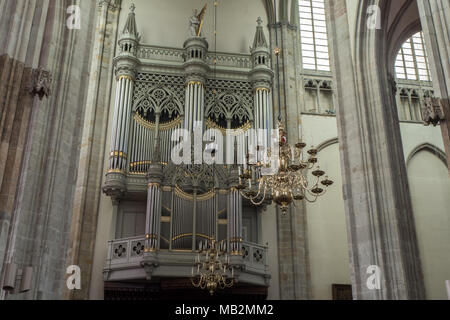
139, 163
125, 77
166, 220
116, 171
194, 83
143, 163
118, 154
162, 126
154, 184
234, 132
262, 89
186, 196
184, 235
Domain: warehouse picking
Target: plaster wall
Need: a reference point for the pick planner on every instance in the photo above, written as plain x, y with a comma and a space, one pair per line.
166, 23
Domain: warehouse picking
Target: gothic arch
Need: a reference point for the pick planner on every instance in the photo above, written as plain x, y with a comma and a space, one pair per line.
286, 11
229, 105
327, 144
430, 148
158, 99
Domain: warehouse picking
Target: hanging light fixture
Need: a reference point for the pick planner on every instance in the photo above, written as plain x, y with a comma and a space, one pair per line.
213, 269
290, 181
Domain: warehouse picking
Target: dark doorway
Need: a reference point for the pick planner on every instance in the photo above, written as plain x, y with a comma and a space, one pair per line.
179, 289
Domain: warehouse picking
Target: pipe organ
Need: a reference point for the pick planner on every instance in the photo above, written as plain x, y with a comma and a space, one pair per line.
186, 204
143, 140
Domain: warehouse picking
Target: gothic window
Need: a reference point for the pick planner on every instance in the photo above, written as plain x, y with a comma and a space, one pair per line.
412, 60
313, 35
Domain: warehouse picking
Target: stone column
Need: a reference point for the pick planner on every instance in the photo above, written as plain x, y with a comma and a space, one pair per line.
292, 233
21, 79
94, 124
435, 17
380, 222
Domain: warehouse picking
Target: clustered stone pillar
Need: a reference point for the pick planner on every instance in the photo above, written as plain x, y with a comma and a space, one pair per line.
381, 234
292, 242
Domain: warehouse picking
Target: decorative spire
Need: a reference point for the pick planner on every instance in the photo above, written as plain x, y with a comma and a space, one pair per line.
260, 38
130, 28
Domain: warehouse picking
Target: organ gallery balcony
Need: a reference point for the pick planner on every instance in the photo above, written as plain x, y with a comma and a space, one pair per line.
126, 261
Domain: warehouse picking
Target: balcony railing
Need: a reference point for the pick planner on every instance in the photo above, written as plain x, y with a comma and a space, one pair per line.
124, 258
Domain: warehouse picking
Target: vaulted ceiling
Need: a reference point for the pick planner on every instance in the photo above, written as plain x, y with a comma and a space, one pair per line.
403, 21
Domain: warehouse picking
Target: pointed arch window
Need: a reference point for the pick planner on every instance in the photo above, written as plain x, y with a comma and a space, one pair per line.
412, 60
314, 35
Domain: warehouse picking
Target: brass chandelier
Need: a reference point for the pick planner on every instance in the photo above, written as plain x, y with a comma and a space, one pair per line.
289, 182
213, 269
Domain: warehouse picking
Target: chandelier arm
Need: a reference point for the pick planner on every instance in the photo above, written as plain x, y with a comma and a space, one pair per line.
263, 199
311, 201
245, 197
313, 187
259, 189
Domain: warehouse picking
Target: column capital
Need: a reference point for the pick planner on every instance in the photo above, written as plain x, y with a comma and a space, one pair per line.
125, 66
155, 174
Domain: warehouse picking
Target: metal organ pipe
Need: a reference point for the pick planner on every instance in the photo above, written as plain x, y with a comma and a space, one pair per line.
121, 123
113, 135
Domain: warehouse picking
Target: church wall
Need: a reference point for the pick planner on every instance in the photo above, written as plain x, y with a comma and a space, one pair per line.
327, 234
329, 262
416, 134
269, 237
430, 189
